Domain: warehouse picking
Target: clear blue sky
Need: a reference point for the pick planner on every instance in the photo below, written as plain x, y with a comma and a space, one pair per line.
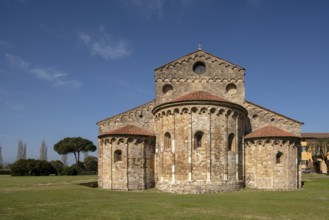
65, 65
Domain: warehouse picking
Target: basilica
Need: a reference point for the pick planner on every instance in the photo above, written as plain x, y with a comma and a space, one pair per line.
198, 135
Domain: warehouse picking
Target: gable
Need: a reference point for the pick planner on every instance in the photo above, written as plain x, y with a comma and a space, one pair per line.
183, 67
261, 117
198, 71
140, 116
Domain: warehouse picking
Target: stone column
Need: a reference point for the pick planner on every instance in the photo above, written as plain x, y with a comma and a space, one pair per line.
272, 159
287, 163
127, 164
242, 119
190, 149
144, 163
111, 164
173, 151
209, 149
161, 149
100, 162
256, 162
237, 148
226, 148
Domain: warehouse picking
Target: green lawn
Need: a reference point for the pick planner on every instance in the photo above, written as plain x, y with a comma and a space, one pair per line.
63, 198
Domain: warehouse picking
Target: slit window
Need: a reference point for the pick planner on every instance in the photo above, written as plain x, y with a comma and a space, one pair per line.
231, 143
117, 156
167, 141
278, 157
198, 139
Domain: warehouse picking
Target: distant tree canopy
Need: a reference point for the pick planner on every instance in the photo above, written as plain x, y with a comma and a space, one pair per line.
91, 163
322, 149
31, 167
74, 145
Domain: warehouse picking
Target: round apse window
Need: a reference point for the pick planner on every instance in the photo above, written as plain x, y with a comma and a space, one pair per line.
199, 68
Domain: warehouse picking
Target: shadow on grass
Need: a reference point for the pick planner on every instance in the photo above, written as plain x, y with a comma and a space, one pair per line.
90, 184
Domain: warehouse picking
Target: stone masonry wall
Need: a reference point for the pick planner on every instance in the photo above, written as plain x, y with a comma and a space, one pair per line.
271, 163
140, 116
260, 117
220, 78
126, 163
183, 167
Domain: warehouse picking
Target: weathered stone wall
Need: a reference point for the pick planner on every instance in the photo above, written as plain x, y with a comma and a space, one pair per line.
220, 78
264, 170
199, 145
126, 163
261, 117
140, 116
216, 164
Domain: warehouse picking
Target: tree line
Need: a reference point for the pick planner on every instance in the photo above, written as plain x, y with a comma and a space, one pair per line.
40, 167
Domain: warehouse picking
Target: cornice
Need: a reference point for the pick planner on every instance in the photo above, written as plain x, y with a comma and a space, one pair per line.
198, 79
200, 54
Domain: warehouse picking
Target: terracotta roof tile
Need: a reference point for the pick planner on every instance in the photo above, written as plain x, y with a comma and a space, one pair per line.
269, 131
129, 130
199, 96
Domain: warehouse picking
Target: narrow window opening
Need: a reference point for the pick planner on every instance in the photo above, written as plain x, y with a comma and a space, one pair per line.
167, 141
117, 156
231, 143
198, 139
278, 157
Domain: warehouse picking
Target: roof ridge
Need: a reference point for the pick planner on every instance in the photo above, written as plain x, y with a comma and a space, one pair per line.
185, 58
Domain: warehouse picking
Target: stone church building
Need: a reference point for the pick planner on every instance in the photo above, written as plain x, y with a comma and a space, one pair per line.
198, 135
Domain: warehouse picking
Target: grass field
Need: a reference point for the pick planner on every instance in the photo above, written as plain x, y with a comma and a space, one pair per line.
63, 198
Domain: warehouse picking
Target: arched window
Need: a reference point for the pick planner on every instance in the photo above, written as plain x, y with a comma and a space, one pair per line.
167, 141
198, 139
117, 156
278, 157
231, 145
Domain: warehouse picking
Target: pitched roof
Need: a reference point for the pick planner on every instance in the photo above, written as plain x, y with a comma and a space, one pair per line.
129, 130
315, 135
199, 96
269, 131
198, 52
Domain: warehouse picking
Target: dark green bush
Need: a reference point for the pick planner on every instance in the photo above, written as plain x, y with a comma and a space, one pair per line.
31, 167
91, 163
58, 167
71, 171
5, 172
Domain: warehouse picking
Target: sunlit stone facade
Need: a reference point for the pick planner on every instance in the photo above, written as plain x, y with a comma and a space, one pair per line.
198, 135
